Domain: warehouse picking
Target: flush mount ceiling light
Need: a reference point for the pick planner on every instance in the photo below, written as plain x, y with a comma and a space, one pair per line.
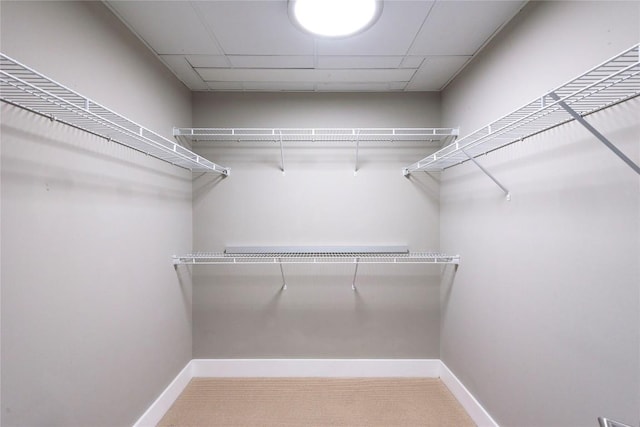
334, 18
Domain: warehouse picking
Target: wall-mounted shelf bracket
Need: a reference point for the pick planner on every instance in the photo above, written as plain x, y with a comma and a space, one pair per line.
355, 273
281, 154
486, 172
605, 422
284, 282
595, 132
355, 171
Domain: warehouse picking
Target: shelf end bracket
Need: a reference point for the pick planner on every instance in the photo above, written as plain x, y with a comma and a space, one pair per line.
573, 113
486, 172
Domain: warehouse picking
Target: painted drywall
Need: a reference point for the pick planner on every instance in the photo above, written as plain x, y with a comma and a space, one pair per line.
95, 321
541, 321
241, 311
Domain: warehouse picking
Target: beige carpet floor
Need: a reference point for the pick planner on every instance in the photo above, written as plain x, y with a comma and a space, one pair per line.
317, 402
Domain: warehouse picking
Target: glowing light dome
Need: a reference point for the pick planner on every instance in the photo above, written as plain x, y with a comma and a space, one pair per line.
334, 18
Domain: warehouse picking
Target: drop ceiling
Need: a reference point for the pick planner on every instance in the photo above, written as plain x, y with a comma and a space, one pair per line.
245, 45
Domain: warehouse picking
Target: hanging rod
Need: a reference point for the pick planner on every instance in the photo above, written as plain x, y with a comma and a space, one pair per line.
440, 136
607, 84
28, 89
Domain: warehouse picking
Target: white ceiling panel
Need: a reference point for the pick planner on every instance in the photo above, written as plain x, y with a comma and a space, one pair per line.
359, 61
462, 27
412, 62
392, 34
279, 86
254, 28
253, 44
265, 61
435, 72
290, 75
170, 28
225, 85
184, 71
212, 61
352, 87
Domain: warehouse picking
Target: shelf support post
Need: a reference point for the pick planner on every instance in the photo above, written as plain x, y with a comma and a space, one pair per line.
355, 273
284, 283
573, 113
281, 153
355, 172
486, 172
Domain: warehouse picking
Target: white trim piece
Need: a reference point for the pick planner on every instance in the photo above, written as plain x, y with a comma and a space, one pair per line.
161, 405
475, 410
331, 368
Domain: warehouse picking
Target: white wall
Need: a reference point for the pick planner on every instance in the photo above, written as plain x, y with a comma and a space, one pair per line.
95, 321
240, 311
542, 320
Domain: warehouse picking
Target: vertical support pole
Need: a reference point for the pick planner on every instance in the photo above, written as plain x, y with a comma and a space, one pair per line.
595, 133
502, 187
284, 283
281, 153
355, 273
355, 172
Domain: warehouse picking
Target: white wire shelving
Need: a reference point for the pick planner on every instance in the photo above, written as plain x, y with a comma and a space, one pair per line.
26, 88
199, 258
440, 136
433, 137
609, 83
315, 255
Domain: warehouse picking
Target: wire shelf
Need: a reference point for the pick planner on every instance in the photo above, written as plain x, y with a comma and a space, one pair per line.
440, 136
316, 258
611, 82
28, 89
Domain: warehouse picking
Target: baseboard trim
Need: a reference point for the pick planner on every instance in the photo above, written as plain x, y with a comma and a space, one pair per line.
475, 410
161, 405
332, 368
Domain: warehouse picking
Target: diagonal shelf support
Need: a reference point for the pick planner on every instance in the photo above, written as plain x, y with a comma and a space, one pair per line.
355, 273
355, 172
281, 154
595, 133
486, 172
284, 282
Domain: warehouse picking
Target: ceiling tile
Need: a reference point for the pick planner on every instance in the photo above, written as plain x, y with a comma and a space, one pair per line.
352, 87
359, 61
212, 61
393, 34
462, 27
412, 61
254, 28
435, 72
150, 20
225, 85
183, 70
264, 61
282, 86
304, 75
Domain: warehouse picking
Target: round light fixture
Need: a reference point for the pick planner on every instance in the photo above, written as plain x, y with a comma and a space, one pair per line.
334, 18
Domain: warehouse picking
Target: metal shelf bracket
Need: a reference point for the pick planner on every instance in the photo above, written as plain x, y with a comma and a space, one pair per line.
355, 273
486, 172
595, 132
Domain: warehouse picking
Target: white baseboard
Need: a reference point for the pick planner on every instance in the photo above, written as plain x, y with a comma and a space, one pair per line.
331, 368
477, 413
156, 411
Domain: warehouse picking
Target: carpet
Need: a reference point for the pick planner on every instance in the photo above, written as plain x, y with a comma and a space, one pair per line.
318, 402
